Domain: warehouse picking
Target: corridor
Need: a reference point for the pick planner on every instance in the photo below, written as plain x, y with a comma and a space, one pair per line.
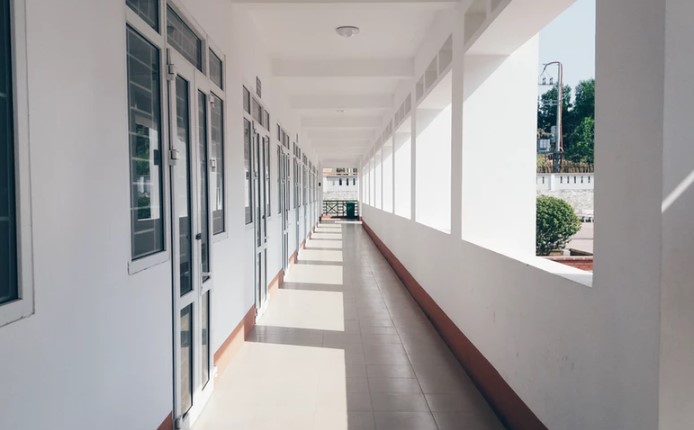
343, 345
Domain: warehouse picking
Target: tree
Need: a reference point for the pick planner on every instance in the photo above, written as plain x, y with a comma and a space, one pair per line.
580, 124
556, 224
582, 142
584, 106
547, 108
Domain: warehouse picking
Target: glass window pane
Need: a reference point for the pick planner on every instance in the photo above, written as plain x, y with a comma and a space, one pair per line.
181, 183
204, 189
266, 159
246, 100
247, 170
8, 231
148, 10
146, 193
183, 39
205, 335
216, 70
186, 358
217, 154
280, 187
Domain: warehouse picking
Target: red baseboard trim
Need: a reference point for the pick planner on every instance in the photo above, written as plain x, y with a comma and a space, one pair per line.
232, 343
292, 258
276, 282
510, 408
168, 423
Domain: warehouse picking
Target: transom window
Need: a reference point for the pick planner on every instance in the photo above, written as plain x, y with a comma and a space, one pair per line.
216, 70
183, 38
148, 10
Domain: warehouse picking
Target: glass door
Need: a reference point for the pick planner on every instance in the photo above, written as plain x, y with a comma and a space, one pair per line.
284, 201
191, 217
297, 199
261, 142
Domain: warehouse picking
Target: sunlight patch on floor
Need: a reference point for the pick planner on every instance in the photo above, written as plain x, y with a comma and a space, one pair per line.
270, 387
301, 309
314, 274
324, 244
331, 236
320, 255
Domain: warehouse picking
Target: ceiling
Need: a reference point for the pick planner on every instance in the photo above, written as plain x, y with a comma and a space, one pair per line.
342, 88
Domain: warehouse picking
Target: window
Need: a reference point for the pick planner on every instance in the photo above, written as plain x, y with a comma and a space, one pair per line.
16, 283
433, 161
183, 38
217, 166
146, 181
248, 192
279, 175
266, 158
388, 176
402, 142
216, 70
378, 180
9, 277
148, 10
246, 100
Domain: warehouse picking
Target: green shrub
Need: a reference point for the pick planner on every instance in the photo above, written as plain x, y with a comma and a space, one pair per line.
556, 224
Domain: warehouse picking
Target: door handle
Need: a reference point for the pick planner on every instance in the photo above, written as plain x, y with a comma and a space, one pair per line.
198, 236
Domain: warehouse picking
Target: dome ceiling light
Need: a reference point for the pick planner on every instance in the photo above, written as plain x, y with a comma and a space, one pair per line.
347, 30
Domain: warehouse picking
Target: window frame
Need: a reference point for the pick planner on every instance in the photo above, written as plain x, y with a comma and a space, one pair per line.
158, 39
23, 307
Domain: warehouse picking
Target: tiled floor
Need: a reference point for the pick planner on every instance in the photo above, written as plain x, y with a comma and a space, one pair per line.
344, 346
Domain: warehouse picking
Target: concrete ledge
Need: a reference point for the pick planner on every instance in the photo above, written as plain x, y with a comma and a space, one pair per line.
510, 408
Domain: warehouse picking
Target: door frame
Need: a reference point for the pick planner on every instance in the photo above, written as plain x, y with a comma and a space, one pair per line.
201, 392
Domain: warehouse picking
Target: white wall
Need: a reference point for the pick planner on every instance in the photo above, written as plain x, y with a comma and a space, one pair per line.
564, 181
677, 294
584, 353
97, 353
499, 128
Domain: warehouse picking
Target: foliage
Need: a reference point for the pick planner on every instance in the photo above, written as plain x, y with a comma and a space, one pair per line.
556, 224
578, 120
547, 108
582, 142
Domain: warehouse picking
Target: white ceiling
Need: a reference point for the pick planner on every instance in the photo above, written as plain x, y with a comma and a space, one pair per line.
342, 88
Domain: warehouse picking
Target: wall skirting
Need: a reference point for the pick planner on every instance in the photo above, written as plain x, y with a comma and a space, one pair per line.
232, 343
276, 282
168, 423
506, 403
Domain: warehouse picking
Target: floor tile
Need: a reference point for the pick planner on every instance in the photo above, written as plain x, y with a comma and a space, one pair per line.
343, 346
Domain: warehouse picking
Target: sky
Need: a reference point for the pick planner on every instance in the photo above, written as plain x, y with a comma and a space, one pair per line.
570, 38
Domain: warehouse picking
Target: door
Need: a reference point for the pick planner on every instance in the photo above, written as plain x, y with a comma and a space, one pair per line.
261, 142
283, 163
191, 218
297, 202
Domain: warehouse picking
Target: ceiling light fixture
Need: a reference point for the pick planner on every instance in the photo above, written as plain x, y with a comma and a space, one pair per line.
347, 30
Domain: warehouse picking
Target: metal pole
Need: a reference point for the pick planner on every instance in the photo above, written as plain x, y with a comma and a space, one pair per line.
560, 111
557, 153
